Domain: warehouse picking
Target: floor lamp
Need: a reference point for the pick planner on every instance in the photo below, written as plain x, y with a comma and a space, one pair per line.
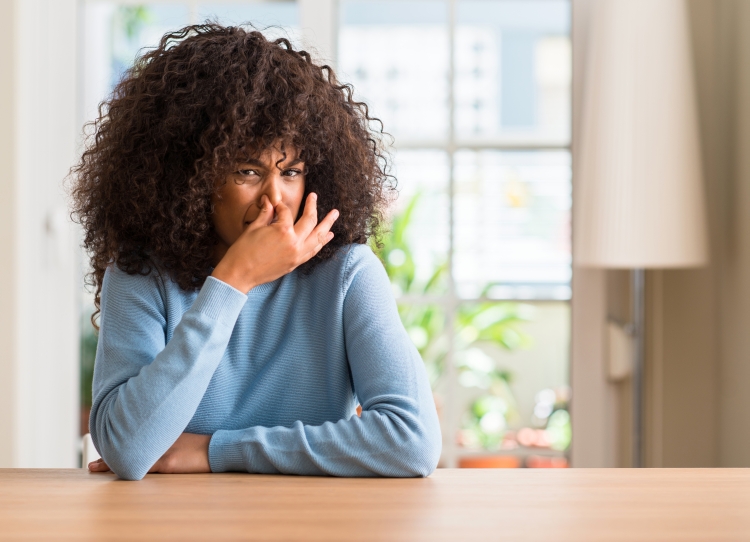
638, 180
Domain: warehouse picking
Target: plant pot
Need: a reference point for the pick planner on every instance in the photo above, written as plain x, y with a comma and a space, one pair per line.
489, 462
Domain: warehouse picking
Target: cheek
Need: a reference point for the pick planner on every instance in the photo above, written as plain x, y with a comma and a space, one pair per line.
296, 197
220, 213
229, 209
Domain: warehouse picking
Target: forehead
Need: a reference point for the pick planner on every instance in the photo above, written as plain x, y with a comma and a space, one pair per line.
277, 153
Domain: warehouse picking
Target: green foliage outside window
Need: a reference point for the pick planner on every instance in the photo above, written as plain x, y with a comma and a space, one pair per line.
476, 324
132, 19
88, 355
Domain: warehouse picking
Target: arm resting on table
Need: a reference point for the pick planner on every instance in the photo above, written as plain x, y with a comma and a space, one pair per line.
145, 391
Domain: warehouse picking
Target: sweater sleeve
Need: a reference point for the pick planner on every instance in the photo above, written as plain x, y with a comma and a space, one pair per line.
146, 391
398, 433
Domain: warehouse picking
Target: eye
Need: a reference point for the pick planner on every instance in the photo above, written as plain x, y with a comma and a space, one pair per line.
292, 173
242, 176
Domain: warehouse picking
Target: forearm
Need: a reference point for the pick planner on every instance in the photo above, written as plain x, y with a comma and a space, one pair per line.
137, 417
395, 436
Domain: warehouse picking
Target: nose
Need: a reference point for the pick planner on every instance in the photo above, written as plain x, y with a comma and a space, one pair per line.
272, 187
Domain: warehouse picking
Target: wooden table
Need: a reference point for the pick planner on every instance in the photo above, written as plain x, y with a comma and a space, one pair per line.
455, 505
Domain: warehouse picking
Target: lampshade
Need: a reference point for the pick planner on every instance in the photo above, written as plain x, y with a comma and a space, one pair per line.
639, 192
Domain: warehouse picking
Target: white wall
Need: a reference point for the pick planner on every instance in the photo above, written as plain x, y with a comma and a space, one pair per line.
39, 276
7, 232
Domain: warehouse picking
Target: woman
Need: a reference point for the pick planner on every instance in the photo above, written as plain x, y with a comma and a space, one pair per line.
226, 199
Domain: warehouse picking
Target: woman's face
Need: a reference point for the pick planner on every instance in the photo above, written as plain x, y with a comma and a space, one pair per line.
237, 202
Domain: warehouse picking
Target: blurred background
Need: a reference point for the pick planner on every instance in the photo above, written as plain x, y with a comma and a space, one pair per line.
489, 102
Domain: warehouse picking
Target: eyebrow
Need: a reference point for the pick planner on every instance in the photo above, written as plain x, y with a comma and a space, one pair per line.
255, 162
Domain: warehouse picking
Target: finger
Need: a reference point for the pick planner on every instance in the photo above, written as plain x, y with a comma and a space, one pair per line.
265, 216
309, 217
321, 230
98, 466
284, 215
160, 464
317, 248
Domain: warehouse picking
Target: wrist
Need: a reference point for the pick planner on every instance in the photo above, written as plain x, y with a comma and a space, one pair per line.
233, 279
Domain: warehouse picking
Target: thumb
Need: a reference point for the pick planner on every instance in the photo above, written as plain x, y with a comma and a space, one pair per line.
265, 216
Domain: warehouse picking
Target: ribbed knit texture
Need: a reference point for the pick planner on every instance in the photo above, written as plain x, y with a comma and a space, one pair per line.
274, 375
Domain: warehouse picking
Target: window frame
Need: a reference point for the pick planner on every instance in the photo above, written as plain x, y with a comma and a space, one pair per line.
319, 24
451, 301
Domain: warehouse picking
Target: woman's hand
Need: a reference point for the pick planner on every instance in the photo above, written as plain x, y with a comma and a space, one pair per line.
189, 454
269, 249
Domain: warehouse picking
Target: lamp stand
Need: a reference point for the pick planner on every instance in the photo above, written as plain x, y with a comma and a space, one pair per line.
638, 277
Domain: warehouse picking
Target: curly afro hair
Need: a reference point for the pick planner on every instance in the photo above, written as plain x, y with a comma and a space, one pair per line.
176, 124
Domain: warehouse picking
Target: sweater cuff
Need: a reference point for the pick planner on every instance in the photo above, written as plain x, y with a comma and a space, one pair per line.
225, 453
217, 299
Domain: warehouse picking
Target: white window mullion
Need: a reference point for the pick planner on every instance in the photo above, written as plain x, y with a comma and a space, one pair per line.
453, 408
319, 24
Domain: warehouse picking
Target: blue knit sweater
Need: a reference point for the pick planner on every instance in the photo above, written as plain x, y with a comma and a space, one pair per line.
274, 375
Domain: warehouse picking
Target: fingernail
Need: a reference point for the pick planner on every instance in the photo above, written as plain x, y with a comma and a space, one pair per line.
314, 195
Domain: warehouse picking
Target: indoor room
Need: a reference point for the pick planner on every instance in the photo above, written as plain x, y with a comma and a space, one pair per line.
464, 269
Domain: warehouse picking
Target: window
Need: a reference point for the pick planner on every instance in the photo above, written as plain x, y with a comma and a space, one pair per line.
476, 94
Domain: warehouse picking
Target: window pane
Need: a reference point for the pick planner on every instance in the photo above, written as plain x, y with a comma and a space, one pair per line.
281, 17
114, 35
395, 53
416, 234
512, 232
513, 70
512, 362
425, 324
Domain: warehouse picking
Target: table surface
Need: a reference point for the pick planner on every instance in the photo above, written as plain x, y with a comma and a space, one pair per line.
455, 505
